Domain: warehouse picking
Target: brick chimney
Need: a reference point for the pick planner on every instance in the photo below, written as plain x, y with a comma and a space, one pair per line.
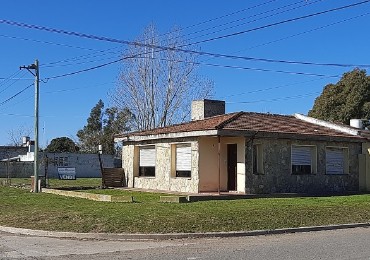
201, 109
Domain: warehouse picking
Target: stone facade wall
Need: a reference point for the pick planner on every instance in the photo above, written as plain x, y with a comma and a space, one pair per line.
277, 177
128, 155
163, 179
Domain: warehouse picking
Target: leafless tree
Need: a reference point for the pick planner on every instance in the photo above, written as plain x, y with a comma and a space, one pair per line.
158, 84
15, 135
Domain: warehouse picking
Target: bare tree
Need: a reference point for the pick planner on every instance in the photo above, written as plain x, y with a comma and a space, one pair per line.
158, 84
15, 135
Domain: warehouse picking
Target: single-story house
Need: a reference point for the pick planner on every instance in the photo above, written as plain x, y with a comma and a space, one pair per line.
247, 152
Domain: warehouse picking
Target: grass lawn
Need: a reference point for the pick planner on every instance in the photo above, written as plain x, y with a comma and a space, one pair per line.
20, 208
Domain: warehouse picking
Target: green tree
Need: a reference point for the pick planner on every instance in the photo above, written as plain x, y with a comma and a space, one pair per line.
347, 99
102, 126
62, 145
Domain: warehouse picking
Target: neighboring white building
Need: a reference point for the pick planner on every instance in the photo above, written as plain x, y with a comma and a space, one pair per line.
84, 165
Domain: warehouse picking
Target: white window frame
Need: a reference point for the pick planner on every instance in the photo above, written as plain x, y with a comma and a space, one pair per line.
149, 164
185, 168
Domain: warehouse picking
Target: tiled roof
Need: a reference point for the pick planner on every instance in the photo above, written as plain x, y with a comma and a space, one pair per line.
272, 123
210, 123
250, 121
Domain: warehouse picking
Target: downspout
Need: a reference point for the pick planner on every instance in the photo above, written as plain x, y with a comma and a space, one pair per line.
219, 164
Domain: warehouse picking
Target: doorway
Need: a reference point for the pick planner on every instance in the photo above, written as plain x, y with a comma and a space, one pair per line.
232, 153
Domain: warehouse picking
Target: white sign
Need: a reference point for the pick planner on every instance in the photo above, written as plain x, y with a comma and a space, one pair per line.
67, 173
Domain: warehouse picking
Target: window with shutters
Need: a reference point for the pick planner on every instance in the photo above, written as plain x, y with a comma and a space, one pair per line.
303, 159
336, 160
183, 160
147, 161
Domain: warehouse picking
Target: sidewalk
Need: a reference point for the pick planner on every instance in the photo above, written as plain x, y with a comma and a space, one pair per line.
123, 236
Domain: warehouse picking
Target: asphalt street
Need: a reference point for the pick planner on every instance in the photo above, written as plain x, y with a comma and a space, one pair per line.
351, 243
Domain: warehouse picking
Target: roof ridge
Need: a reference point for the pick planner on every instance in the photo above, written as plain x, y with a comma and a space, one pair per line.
341, 128
230, 119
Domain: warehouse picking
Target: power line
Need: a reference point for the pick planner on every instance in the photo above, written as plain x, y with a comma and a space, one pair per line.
230, 14
215, 55
281, 22
113, 40
19, 102
102, 51
73, 89
83, 70
11, 84
275, 87
47, 42
255, 20
83, 57
196, 63
307, 31
274, 99
266, 70
168, 48
91, 68
10, 77
99, 51
80, 62
15, 95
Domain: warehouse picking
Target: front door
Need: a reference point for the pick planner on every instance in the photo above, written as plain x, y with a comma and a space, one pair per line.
231, 166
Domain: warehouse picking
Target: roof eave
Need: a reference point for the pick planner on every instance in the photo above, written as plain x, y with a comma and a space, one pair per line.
137, 138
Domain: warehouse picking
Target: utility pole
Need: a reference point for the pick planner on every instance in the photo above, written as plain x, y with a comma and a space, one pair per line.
34, 70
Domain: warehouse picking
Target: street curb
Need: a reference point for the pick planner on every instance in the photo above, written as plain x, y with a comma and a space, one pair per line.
168, 236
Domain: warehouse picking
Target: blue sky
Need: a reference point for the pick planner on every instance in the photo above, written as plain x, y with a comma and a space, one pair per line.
339, 37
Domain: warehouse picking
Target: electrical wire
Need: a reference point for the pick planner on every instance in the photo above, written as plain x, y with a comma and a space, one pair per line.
9, 78
73, 89
113, 40
272, 88
47, 42
42, 65
161, 47
264, 70
305, 32
275, 99
229, 14
83, 57
280, 22
19, 102
12, 83
195, 63
99, 51
252, 21
80, 62
15, 95
83, 70
215, 55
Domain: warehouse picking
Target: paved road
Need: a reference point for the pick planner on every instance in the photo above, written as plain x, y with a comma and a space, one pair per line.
339, 244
